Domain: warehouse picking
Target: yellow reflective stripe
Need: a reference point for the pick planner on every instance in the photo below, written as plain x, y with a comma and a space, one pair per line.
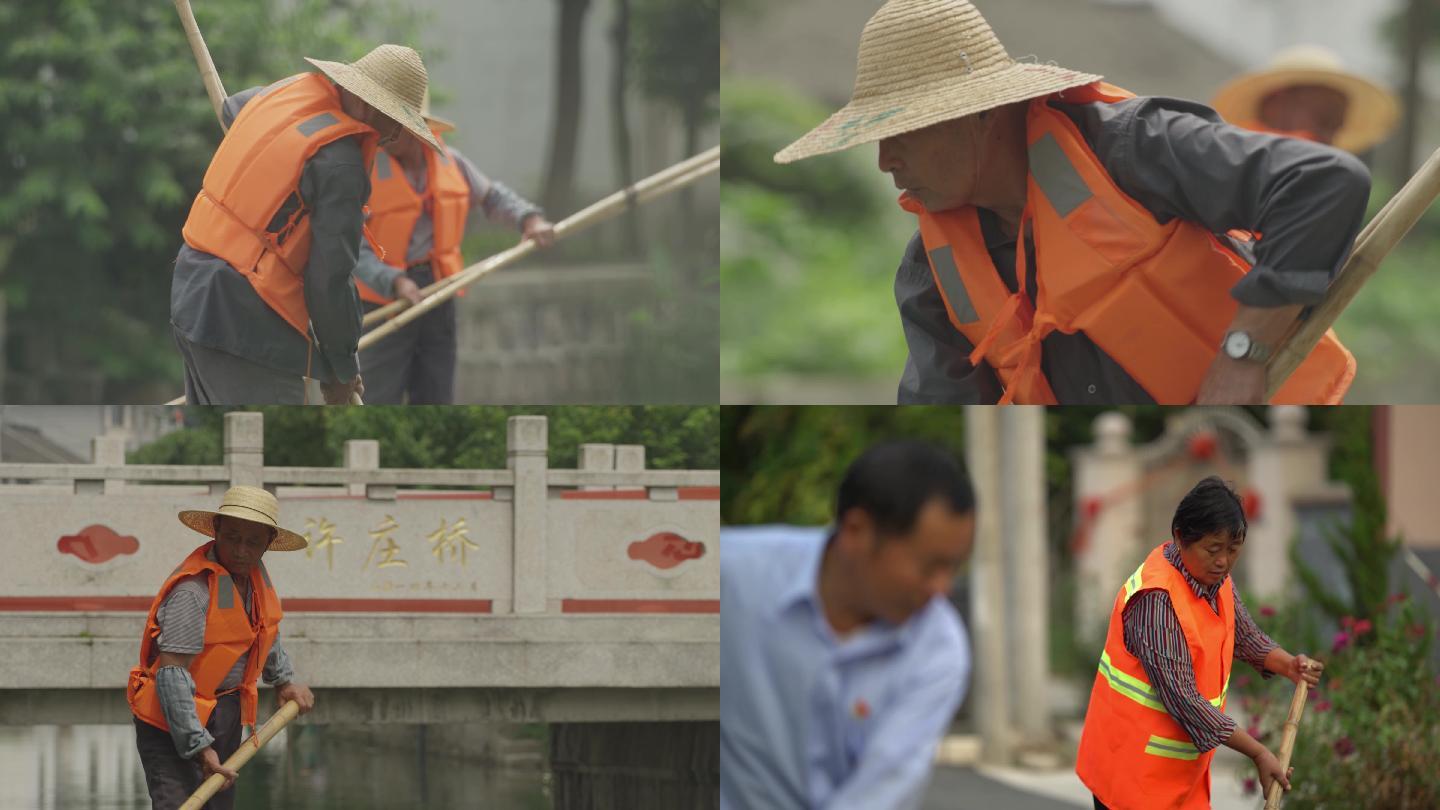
1140, 691
1174, 749
1133, 583
1128, 685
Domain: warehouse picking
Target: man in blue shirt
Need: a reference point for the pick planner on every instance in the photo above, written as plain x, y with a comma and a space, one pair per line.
843, 662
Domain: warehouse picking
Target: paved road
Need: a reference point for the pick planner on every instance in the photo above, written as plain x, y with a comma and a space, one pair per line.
965, 788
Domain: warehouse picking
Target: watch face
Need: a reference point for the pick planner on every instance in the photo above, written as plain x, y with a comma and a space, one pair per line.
1237, 345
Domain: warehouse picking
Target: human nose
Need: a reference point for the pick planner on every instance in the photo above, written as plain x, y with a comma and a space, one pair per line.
889, 161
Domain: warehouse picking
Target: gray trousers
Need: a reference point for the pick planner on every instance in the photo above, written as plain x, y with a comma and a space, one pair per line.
171, 779
214, 377
418, 361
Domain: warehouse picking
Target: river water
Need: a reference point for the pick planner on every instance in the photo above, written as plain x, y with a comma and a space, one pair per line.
97, 768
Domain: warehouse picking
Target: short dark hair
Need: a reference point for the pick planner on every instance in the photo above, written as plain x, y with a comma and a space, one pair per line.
892, 481
1211, 507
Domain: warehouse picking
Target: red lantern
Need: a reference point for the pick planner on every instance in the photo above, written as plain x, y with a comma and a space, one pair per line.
1202, 446
1250, 502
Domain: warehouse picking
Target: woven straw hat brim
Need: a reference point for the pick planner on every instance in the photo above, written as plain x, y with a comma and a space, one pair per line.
872, 119
202, 521
1370, 118
378, 96
440, 125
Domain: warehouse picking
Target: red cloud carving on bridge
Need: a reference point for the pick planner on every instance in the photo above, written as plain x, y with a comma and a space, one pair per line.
666, 550
96, 544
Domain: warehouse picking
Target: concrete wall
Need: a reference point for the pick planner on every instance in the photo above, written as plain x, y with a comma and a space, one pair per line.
552, 335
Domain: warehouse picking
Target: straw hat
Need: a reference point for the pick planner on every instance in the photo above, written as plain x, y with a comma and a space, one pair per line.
392, 79
246, 503
436, 123
922, 62
1372, 113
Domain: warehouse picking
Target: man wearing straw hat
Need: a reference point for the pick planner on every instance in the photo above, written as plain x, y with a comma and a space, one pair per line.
213, 630
421, 205
1305, 92
262, 295
1068, 249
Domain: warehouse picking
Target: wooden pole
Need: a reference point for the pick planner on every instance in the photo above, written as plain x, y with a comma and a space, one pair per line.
1375, 242
1287, 742
208, 74
237, 760
600, 211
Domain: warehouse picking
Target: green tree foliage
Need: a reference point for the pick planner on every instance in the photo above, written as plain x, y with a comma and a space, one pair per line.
459, 437
105, 133
674, 43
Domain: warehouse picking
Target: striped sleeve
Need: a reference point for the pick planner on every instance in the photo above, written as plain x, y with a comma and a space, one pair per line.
182, 616
1251, 643
1153, 635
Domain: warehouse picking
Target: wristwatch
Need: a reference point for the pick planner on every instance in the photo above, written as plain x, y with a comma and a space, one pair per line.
1238, 345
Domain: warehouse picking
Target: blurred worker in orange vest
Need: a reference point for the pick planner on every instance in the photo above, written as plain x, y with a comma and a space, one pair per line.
422, 203
1305, 92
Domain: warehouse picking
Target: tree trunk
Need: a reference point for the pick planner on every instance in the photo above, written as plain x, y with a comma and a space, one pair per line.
1411, 99
565, 131
620, 121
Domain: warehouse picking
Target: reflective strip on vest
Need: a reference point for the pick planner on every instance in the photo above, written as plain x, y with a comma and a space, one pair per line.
1129, 686
319, 122
943, 259
1142, 692
225, 592
1174, 749
1056, 176
1133, 583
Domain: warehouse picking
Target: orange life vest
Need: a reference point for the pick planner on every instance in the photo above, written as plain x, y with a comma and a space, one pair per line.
255, 170
1155, 298
395, 207
229, 633
1133, 755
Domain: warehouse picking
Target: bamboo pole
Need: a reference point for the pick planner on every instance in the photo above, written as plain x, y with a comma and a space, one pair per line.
1375, 242
1287, 742
208, 74
598, 212
604, 209
237, 760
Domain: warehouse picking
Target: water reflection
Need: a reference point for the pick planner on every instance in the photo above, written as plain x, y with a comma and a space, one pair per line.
313, 768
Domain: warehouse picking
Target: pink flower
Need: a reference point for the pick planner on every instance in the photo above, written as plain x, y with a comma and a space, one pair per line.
1322, 706
1396, 598
1416, 631
1342, 640
1267, 611
1242, 682
1347, 622
1362, 627
1344, 747
1253, 730
1251, 788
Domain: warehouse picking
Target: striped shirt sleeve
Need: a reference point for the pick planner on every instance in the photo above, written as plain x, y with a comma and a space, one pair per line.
1251, 643
1153, 635
182, 616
